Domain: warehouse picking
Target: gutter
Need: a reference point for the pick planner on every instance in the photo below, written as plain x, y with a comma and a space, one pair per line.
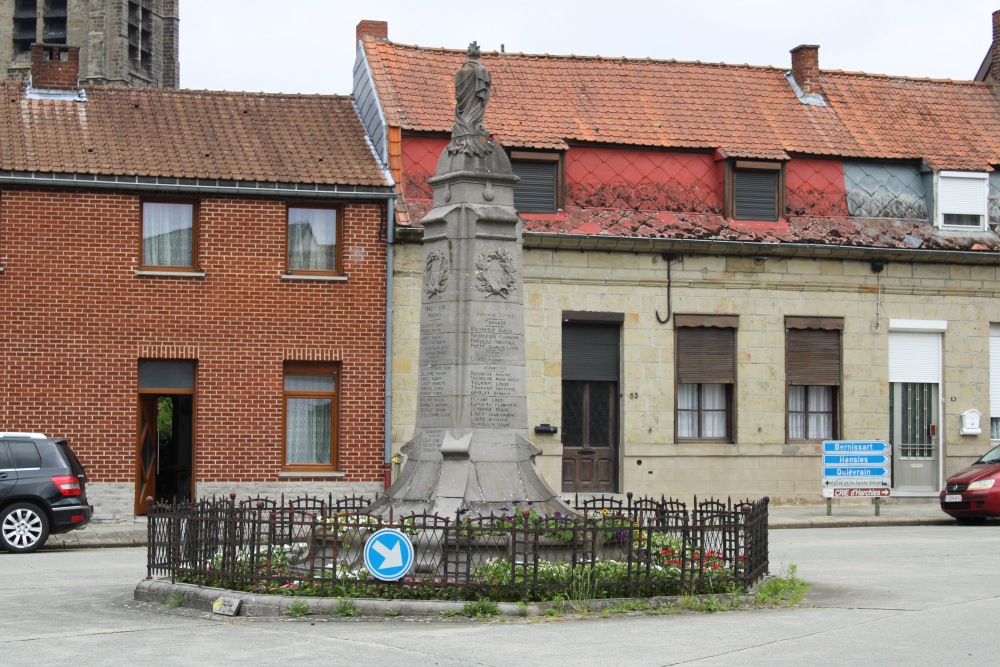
390, 253
742, 248
196, 185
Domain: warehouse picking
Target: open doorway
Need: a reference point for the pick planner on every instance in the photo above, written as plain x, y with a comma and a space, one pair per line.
165, 434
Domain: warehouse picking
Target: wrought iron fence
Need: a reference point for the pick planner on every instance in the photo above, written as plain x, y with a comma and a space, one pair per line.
636, 547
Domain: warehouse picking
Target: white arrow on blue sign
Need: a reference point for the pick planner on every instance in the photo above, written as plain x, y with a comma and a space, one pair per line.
388, 554
855, 459
856, 447
857, 471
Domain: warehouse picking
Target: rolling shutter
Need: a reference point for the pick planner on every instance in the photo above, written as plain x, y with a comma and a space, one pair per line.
914, 357
591, 351
963, 194
706, 355
812, 357
813, 350
755, 195
536, 191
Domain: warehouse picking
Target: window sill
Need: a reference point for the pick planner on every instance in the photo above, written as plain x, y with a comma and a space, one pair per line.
299, 276
294, 474
170, 274
962, 231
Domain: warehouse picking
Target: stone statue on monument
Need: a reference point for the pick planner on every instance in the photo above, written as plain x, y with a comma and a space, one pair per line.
472, 93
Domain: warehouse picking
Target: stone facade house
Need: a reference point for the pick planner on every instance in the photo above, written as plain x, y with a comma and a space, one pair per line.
193, 287
724, 265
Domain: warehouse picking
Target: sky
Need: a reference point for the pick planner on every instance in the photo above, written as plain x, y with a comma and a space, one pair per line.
308, 46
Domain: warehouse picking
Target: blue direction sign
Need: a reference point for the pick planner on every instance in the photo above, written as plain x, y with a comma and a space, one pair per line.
857, 471
856, 447
388, 554
856, 467
855, 459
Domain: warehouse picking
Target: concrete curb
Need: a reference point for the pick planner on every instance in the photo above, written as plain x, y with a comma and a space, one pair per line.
855, 522
251, 605
272, 606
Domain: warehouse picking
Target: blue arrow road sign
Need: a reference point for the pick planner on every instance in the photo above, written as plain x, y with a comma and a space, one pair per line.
388, 554
855, 459
856, 447
857, 471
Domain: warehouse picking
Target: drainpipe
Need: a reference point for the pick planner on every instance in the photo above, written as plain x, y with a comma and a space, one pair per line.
390, 238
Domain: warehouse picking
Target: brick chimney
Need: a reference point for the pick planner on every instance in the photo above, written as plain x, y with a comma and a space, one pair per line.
55, 67
378, 29
805, 69
995, 50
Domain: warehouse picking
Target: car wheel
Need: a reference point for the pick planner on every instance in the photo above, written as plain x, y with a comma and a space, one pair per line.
23, 528
970, 520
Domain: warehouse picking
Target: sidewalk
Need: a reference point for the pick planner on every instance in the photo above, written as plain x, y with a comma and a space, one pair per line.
895, 512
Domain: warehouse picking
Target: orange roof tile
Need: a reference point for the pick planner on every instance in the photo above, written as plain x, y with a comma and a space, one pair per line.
744, 111
316, 140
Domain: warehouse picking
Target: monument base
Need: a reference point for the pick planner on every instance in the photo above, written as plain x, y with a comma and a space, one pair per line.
481, 471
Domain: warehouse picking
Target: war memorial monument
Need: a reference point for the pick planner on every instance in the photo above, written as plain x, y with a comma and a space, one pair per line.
470, 448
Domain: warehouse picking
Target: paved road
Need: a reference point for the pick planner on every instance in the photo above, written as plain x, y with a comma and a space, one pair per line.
881, 596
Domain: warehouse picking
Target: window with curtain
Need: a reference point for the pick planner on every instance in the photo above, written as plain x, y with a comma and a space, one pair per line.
168, 235
812, 375
313, 239
706, 375
311, 407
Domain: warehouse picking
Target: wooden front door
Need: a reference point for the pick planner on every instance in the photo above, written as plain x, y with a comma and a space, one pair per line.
146, 453
590, 436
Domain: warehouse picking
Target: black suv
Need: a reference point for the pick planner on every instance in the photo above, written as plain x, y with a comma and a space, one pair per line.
42, 491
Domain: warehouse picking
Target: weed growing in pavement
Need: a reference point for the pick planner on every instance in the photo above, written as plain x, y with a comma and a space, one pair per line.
346, 608
393, 612
786, 590
448, 613
298, 609
481, 609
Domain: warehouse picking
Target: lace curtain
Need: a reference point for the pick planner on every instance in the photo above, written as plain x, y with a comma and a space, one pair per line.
312, 239
810, 413
167, 234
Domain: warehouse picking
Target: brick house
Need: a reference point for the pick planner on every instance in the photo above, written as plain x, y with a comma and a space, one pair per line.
725, 265
193, 286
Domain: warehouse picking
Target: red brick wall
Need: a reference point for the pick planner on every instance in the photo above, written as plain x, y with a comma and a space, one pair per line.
76, 318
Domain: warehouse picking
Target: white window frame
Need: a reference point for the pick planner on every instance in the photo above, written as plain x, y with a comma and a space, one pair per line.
994, 377
969, 204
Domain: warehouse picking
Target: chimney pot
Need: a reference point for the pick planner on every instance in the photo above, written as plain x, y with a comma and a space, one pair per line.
805, 69
368, 28
55, 67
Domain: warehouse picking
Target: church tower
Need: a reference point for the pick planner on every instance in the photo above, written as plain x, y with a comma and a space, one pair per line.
122, 42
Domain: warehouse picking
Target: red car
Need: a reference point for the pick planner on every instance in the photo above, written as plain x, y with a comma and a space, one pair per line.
973, 494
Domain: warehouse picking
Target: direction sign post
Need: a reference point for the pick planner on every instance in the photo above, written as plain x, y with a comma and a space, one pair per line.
388, 554
856, 469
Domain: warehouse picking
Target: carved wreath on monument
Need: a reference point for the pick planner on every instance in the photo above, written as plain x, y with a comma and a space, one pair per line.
435, 274
496, 273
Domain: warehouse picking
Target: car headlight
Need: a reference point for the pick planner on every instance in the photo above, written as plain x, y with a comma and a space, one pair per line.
982, 484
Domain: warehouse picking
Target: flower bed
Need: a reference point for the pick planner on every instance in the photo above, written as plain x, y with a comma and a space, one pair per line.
519, 555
